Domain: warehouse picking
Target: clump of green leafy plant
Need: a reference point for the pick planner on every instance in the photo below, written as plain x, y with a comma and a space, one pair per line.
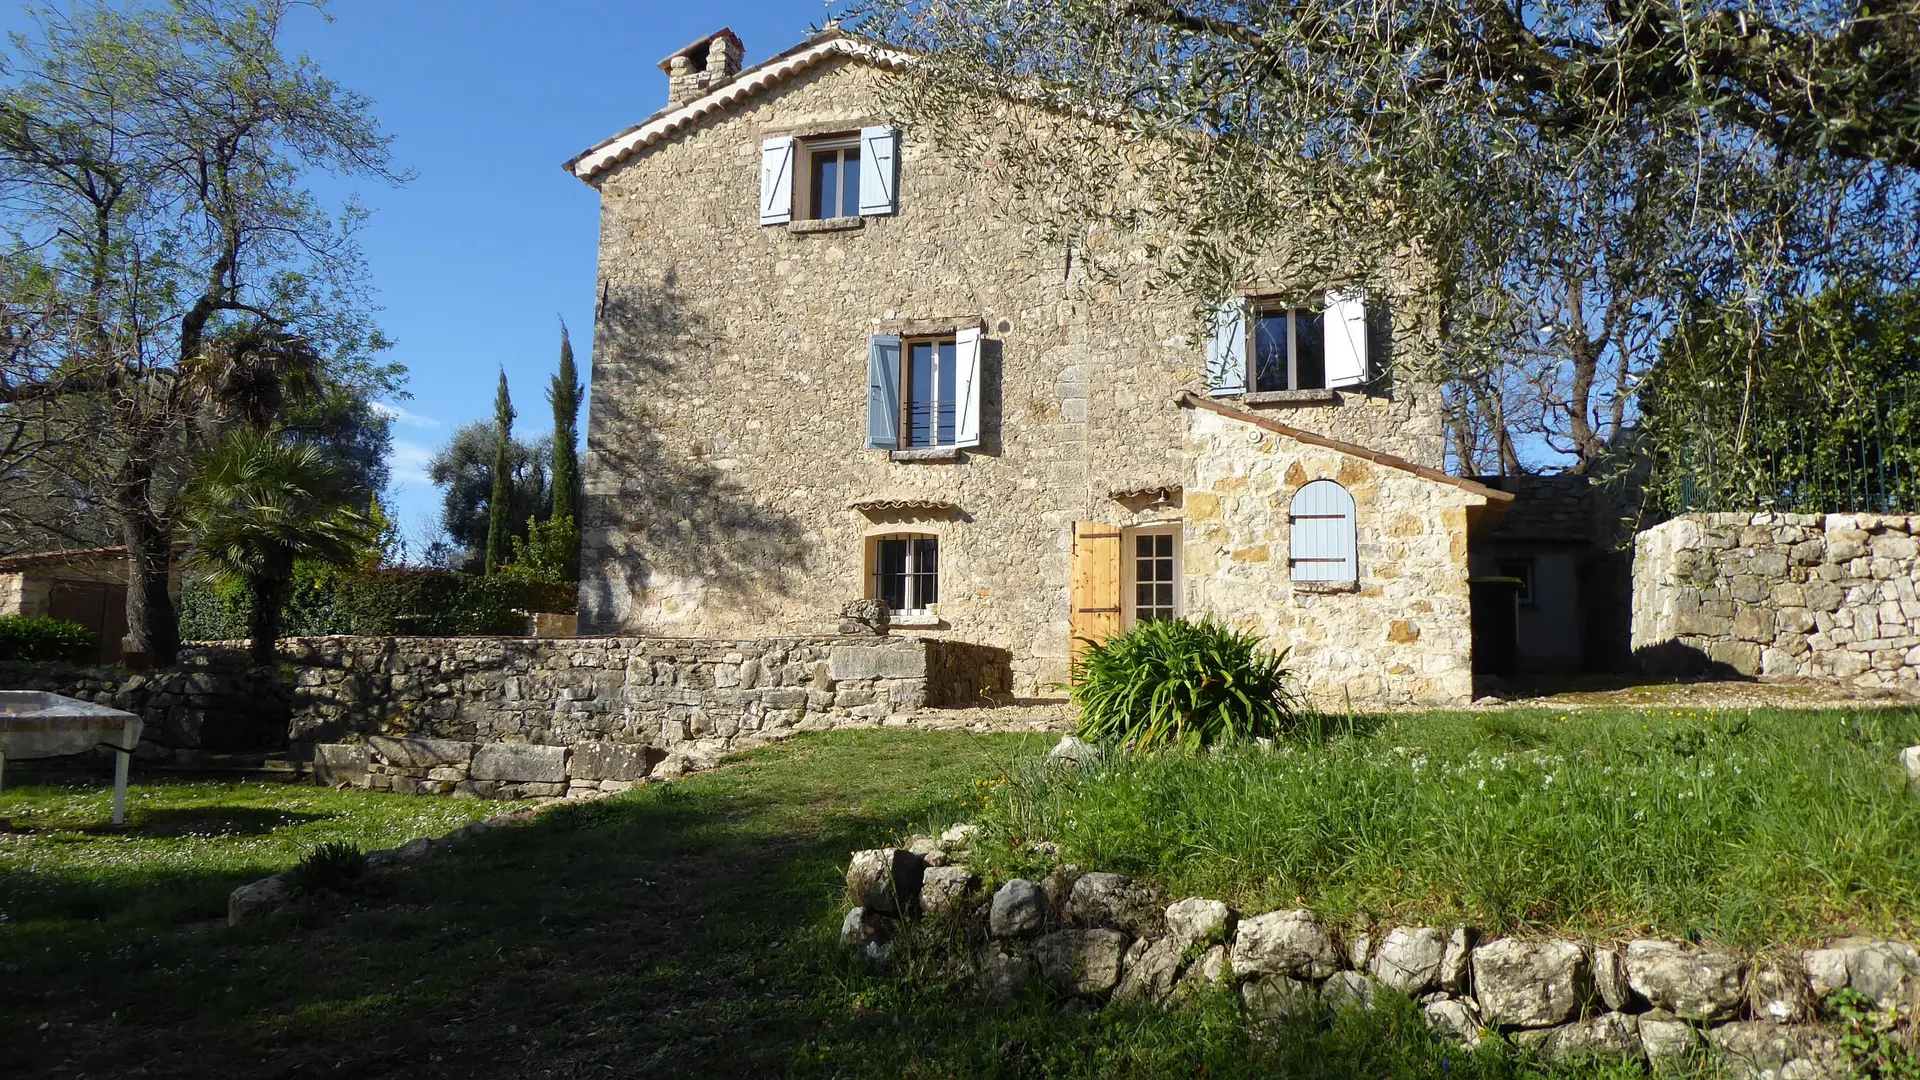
22, 638
334, 867
1868, 1041
1181, 682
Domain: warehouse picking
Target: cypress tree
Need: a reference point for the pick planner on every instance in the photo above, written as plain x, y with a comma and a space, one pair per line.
565, 394
500, 504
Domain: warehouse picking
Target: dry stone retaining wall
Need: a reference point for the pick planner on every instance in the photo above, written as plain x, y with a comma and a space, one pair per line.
1823, 595
1101, 937
214, 701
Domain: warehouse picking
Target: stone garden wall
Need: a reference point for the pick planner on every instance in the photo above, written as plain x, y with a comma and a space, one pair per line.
1824, 595
213, 701
1101, 937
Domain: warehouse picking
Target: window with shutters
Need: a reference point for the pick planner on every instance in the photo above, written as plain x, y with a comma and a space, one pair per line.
1257, 347
1152, 588
923, 393
839, 178
1320, 519
906, 571
1289, 349
831, 178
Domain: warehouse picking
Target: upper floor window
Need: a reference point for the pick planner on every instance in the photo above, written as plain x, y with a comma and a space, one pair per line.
1323, 541
923, 393
833, 178
1261, 346
854, 174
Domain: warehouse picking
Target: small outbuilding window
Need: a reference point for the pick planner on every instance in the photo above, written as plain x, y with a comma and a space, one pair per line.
1321, 520
906, 571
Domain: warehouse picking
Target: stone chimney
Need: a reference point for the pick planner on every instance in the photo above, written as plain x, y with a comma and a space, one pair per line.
703, 66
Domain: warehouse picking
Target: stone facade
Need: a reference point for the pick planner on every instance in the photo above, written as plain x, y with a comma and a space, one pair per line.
213, 701
1830, 596
1401, 633
728, 490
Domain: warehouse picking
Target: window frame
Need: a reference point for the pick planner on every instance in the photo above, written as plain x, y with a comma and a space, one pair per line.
907, 343
1130, 569
1258, 308
912, 572
806, 148
1524, 564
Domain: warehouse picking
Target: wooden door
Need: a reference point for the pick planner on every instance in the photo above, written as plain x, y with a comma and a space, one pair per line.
1095, 593
99, 607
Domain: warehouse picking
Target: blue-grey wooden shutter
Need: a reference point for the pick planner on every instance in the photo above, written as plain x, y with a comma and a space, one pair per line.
879, 171
1322, 545
1346, 323
883, 392
1227, 350
776, 180
967, 381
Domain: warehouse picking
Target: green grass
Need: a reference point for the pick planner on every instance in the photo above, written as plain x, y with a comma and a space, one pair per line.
1752, 829
686, 929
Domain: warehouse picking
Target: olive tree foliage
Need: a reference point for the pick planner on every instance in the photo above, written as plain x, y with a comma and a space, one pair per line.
1564, 178
169, 273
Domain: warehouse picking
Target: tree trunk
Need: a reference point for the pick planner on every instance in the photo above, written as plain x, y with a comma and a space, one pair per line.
268, 592
153, 626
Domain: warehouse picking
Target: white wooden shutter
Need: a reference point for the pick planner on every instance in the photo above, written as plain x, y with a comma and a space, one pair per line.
776, 180
879, 171
883, 392
1227, 350
1322, 544
966, 387
1346, 338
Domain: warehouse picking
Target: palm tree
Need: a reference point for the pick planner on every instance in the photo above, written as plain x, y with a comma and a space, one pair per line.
259, 502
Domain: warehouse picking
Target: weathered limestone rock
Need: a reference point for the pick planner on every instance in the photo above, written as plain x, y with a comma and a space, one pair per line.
1885, 971
1455, 1018
1199, 921
885, 880
1291, 943
1206, 970
928, 849
1115, 901
1530, 984
1778, 990
1058, 885
1610, 978
1456, 962
1696, 984
1004, 972
614, 761
340, 763
1755, 1048
1081, 961
1277, 997
1409, 959
420, 753
1359, 949
520, 762
1019, 908
1611, 1035
258, 898
1910, 761
1666, 1037
1073, 752
1150, 971
869, 935
944, 890
960, 836
1348, 989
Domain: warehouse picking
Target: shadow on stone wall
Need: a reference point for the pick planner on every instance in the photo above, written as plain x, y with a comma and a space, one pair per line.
666, 511
962, 673
1678, 657
214, 700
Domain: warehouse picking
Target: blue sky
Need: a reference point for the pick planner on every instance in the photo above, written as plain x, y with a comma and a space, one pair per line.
477, 258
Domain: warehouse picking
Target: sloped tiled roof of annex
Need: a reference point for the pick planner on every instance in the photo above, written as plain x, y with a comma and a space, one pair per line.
589, 164
1494, 496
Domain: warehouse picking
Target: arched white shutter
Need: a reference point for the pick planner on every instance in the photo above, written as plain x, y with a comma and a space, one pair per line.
1321, 521
879, 171
776, 180
1346, 322
966, 386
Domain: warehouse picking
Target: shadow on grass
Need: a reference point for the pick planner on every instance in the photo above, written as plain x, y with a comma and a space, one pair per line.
204, 822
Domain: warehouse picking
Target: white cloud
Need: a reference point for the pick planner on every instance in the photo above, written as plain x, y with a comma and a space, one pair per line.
408, 461
401, 416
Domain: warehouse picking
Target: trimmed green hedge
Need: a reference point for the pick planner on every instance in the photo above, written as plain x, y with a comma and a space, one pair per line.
22, 638
378, 603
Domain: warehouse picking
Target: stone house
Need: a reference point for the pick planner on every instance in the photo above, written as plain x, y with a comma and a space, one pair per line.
831, 363
86, 586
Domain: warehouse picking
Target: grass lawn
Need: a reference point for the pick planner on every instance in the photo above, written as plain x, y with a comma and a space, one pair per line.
685, 929
1748, 828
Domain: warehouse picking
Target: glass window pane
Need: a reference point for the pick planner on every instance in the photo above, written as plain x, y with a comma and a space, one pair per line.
850, 183
926, 567
890, 565
1165, 545
920, 388
947, 393
1270, 351
1143, 595
1143, 546
1163, 596
1310, 347
825, 178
